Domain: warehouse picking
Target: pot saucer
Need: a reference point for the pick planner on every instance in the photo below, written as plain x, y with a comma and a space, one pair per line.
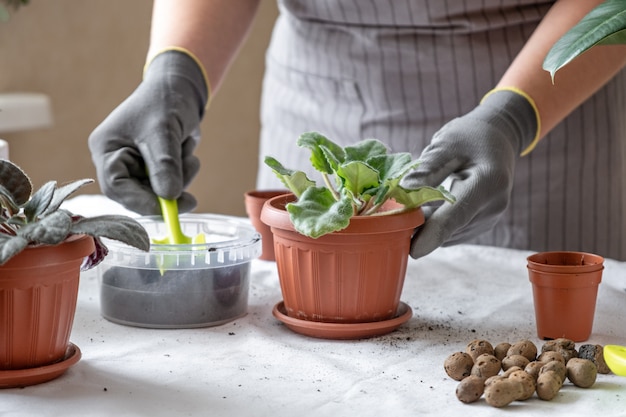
343, 331
17, 378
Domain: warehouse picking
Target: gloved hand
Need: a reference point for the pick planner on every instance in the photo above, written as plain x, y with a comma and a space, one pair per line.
478, 152
144, 148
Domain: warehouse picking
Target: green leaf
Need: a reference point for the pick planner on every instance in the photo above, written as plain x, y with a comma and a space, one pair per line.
393, 166
117, 227
358, 176
364, 150
51, 230
63, 192
421, 196
296, 181
7, 202
314, 142
40, 201
15, 182
317, 212
11, 246
603, 25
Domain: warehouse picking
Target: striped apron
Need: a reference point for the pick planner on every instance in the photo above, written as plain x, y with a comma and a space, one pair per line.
397, 70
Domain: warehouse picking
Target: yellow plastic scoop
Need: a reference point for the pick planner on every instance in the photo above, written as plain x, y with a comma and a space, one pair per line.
615, 358
175, 235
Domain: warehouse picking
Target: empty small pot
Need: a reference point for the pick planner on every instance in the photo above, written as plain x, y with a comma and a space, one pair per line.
565, 287
254, 200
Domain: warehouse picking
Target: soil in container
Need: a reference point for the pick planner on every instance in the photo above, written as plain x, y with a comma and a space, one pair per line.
176, 298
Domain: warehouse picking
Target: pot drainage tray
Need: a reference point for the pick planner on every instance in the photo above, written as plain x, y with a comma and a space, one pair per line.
17, 378
344, 331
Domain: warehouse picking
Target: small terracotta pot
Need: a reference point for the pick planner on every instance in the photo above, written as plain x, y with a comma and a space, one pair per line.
254, 200
354, 275
565, 288
38, 294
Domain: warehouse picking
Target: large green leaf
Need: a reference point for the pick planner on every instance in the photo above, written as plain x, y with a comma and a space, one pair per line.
51, 230
364, 150
421, 196
358, 176
314, 142
63, 192
296, 181
604, 25
15, 182
318, 213
10, 246
112, 226
392, 166
40, 201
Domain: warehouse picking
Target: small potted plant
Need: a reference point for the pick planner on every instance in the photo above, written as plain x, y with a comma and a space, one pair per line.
43, 247
341, 249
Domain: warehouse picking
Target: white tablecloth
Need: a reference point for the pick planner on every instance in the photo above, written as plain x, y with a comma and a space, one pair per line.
255, 366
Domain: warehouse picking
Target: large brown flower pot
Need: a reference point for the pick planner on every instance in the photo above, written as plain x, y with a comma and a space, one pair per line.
38, 294
565, 288
355, 275
254, 201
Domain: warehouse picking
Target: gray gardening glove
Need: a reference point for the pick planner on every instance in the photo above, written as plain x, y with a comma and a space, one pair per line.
477, 152
144, 148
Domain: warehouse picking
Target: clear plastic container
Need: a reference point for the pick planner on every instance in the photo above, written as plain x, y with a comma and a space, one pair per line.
181, 286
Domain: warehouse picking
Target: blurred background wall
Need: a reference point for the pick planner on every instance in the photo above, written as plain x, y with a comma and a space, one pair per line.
87, 56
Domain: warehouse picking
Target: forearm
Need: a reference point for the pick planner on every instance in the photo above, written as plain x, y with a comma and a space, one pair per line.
575, 82
213, 30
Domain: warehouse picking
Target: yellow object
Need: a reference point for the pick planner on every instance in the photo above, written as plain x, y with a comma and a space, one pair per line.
615, 358
516, 90
175, 235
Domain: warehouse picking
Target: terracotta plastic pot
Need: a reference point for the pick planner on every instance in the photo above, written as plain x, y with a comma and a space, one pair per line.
565, 288
254, 200
38, 294
355, 275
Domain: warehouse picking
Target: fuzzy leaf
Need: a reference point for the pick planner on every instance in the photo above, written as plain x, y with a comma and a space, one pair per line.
296, 181
364, 150
63, 192
421, 196
318, 213
603, 25
51, 230
393, 166
314, 142
15, 182
358, 176
7, 202
40, 201
116, 227
11, 246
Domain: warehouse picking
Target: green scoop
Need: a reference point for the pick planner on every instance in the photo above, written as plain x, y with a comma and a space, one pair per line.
175, 235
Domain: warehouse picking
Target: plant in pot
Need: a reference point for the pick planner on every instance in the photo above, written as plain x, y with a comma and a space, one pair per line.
342, 249
43, 247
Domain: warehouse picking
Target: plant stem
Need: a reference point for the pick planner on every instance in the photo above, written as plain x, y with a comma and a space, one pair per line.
330, 186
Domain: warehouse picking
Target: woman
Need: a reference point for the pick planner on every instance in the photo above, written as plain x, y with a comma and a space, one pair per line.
411, 73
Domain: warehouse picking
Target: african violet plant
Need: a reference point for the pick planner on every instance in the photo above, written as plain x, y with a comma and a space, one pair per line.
358, 179
28, 218
605, 24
